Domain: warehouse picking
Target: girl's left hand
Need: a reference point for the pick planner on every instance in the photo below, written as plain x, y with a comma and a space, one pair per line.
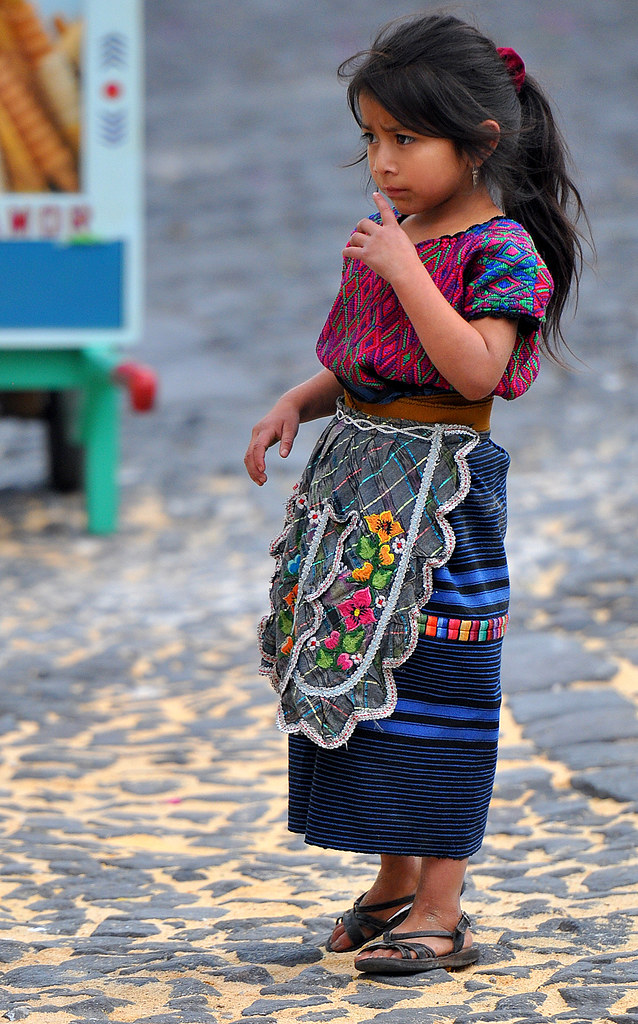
385, 247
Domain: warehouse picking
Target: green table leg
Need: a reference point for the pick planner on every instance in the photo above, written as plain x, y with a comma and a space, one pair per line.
90, 372
100, 430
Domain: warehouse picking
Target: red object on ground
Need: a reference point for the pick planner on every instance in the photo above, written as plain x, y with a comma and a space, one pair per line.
141, 383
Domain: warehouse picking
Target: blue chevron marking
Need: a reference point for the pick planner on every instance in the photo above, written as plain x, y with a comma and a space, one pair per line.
113, 127
114, 51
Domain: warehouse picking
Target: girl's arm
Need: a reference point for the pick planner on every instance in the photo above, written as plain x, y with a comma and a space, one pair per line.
308, 401
471, 356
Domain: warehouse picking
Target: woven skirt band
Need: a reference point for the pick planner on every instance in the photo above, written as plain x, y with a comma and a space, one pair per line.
429, 409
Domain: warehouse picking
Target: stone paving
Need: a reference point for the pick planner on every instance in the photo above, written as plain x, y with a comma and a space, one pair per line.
147, 874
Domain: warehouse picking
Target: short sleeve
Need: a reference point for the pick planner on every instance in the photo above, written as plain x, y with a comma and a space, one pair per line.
506, 277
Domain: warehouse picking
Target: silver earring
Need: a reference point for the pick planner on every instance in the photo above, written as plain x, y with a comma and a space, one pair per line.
475, 177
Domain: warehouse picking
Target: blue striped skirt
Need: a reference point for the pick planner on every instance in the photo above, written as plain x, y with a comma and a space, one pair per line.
419, 782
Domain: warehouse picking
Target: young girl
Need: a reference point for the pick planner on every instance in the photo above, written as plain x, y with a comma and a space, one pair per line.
390, 597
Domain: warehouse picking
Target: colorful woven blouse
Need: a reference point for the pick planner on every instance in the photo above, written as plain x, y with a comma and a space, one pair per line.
492, 269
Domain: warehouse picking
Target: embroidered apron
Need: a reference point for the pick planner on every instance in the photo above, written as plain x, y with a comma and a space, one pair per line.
364, 528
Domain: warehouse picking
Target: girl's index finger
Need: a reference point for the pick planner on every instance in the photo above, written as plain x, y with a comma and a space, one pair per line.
384, 208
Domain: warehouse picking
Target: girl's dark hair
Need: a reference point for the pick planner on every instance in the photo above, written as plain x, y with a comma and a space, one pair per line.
439, 76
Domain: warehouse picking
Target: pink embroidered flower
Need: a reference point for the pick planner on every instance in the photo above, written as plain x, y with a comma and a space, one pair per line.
333, 640
357, 611
380, 601
398, 544
344, 661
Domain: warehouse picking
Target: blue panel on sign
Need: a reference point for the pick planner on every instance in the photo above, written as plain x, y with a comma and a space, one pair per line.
46, 284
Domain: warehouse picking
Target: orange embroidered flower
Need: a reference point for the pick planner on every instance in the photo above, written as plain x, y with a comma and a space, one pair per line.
291, 598
385, 555
384, 525
364, 573
287, 646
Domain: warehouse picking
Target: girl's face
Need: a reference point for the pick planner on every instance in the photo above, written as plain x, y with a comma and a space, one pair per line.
420, 174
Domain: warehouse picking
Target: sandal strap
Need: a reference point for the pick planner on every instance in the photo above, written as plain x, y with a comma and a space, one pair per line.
350, 923
397, 940
406, 949
358, 918
375, 907
458, 933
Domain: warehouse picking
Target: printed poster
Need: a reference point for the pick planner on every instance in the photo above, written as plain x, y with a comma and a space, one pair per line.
70, 172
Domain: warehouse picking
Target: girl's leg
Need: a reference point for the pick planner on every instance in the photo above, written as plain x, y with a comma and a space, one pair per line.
398, 876
437, 905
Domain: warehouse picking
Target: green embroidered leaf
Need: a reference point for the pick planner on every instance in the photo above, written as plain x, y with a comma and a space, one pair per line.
325, 659
366, 548
380, 579
352, 641
285, 622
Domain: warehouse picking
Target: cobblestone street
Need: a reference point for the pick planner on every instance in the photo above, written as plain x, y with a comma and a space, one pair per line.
147, 874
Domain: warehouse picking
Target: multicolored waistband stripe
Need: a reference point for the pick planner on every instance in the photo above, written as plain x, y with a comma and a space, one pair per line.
462, 629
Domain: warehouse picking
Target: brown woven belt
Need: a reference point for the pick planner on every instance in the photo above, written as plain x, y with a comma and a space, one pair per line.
430, 409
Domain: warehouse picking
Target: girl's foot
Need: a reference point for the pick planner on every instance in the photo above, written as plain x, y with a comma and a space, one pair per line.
436, 907
412, 950
397, 879
365, 921
416, 922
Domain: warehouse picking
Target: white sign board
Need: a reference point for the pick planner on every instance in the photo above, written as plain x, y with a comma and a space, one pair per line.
70, 161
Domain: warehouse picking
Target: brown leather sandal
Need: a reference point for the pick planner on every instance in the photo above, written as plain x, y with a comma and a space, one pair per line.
426, 958
358, 918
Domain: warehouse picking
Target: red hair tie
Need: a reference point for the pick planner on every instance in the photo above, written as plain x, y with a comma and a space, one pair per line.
514, 65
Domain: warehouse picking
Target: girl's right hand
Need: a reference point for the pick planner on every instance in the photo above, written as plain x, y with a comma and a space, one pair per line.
280, 424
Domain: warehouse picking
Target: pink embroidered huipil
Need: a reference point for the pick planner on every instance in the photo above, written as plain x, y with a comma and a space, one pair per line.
492, 269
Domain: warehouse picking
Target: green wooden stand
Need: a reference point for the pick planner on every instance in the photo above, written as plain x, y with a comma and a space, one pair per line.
90, 372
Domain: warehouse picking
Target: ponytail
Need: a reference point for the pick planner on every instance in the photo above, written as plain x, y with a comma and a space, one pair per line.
541, 195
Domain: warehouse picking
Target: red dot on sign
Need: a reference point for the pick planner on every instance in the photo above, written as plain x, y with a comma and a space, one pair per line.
112, 90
